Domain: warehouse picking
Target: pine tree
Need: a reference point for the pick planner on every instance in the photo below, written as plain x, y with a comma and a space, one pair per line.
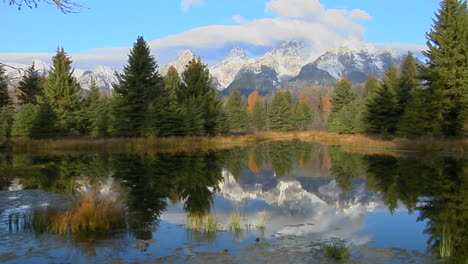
4, 97
349, 120
280, 114
171, 118
100, 122
6, 122
372, 85
259, 116
382, 109
30, 86
137, 87
415, 120
90, 107
342, 97
409, 81
24, 120
199, 98
45, 123
63, 93
302, 116
236, 111
446, 74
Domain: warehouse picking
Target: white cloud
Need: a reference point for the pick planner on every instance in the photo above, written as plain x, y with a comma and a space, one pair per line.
186, 4
306, 20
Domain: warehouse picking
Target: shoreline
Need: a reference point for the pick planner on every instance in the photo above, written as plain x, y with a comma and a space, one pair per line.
191, 144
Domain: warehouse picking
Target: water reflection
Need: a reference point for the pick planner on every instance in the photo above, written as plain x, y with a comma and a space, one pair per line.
306, 190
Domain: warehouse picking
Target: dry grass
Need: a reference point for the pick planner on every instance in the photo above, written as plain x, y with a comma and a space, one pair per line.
261, 224
90, 213
193, 144
202, 222
235, 222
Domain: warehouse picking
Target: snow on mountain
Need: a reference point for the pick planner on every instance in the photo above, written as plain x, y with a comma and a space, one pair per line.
227, 69
102, 75
179, 63
285, 59
357, 63
17, 70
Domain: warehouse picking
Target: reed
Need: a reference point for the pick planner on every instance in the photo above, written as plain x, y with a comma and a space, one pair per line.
210, 223
261, 224
235, 222
207, 223
445, 243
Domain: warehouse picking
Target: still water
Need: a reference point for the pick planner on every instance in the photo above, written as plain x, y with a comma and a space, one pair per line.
292, 198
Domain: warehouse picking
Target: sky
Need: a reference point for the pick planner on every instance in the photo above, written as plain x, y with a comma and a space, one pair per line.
102, 32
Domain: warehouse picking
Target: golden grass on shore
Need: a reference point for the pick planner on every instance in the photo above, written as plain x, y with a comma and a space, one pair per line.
192, 144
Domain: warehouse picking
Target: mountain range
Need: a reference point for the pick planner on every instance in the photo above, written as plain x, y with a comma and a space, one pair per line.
285, 66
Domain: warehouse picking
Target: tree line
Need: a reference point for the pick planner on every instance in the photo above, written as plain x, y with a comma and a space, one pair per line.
143, 103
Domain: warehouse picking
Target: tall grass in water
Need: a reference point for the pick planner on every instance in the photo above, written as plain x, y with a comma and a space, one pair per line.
235, 222
98, 207
338, 251
261, 224
207, 223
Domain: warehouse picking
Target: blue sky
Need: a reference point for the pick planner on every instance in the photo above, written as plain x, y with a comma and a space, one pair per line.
211, 26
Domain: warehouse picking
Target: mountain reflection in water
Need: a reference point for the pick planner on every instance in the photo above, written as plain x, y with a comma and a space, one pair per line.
310, 194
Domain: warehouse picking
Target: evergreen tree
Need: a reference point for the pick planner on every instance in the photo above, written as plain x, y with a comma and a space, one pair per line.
63, 93
44, 125
236, 111
446, 74
415, 119
280, 113
100, 122
30, 86
372, 85
6, 121
409, 81
342, 95
349, 120
302, 116
24, 120
171, 118
4, 97
90, 108
259, 116
199, 98
137, 87
382, 109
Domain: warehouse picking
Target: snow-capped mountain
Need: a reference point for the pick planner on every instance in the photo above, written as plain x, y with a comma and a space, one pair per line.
227, 69
179, 63
17, 70
285, 59
357, 63
102, 75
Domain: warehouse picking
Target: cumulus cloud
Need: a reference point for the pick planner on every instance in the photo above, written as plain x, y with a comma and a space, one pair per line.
186, 4
306, 20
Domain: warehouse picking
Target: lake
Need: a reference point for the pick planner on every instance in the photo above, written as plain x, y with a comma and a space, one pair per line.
278, 202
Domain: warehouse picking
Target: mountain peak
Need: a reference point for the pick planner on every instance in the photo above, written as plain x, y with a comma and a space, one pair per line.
289, 47
237, 52
186, 55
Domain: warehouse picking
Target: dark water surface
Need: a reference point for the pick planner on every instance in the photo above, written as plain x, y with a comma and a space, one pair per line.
394, 208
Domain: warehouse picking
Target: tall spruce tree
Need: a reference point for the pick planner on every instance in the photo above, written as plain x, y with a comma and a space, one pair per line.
172, 116
63, 93
30, 86
342, 95
200, 100
280, 114
371, 87
382, 109
236, 111
302, 114
137, 87
446, 74
259, 116
4, 97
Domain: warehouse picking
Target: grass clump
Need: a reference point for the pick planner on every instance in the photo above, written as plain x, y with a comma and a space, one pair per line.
261, 224
338, 251
235, 222
207, 223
